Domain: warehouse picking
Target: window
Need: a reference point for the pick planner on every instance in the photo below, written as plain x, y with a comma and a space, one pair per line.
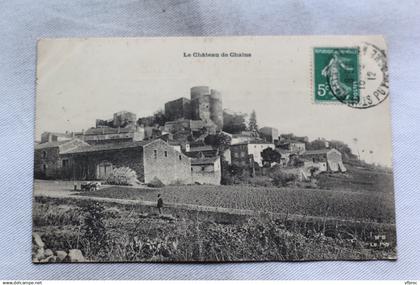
155, 153
65, 162
180, 157
103, 170
44, 154
44, 167
203, 168
166, 153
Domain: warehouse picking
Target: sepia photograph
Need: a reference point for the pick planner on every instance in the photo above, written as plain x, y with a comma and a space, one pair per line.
213, 149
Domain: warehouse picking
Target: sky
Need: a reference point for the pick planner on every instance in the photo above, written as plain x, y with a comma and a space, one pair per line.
81, 80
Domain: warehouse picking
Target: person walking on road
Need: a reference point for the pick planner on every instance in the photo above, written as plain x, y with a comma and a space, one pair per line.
160, 204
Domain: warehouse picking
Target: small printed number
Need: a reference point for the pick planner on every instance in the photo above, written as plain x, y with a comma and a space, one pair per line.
322, 90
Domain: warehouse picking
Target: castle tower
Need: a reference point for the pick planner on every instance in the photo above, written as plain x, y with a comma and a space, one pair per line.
200, 103
216, 109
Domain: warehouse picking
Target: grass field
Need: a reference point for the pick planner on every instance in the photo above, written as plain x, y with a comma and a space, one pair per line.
363, 206
339, 221
133, 235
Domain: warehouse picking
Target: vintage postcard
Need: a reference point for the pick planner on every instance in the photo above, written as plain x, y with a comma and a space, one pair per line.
213, 149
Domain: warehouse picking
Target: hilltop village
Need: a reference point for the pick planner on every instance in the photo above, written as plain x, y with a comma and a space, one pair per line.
192, 141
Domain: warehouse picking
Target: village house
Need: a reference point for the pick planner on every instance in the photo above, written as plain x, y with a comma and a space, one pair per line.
269, 134
205, 150
292, 146
104, 135
149, 159
55, 136
48, 160
208, 151
247, 153
206, 170
324, 160
243, 137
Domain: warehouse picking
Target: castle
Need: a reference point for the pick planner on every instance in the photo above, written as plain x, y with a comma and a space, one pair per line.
205, 105
151, 145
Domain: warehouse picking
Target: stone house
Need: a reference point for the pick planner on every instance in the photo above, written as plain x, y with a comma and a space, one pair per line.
324, 160
48, 160
292, 146
55, 136
269, 134
244, 154
149, 159
243, 137
205, 150
103, 135
206, 170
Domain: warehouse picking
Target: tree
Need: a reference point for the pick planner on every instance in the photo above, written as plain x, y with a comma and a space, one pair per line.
160, 118
344, 149
252, 125
219, 141
269, 156
316, 144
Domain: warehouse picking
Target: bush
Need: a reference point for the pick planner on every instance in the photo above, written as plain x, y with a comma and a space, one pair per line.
260, 181
94, 234
155, 183
281, 179
122, 176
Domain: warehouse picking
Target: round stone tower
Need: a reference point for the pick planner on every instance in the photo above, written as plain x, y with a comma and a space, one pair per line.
216, 109
200, 103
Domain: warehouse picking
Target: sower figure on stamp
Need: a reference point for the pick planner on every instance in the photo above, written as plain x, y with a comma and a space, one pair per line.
332, 71
160, 204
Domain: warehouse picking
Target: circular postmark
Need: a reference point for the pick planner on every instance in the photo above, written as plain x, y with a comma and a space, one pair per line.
372, 87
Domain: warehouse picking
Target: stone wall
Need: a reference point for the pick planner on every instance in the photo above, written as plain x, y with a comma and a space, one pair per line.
178, 109
206, 174
84, 165
162, 161
47, 163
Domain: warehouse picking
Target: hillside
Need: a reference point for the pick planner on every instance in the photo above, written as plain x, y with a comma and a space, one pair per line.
358, 178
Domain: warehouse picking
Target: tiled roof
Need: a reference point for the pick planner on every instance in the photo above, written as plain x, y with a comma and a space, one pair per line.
107, 131
202, 161
105, 147
50, 144
253, 142
201, 148
317, 151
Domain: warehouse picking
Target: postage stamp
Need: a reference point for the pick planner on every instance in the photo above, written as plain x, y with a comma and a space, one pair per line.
336, 75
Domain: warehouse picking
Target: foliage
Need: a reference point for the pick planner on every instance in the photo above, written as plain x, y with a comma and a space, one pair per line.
342, 147
159, 118
137, 236
122, 176
233, 174
269, 156
155, 183
282, 179
94, 234
316, 144
219, 141
253, 125
233, 123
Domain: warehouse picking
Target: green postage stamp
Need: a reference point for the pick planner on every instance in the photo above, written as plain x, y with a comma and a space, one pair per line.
336, 75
